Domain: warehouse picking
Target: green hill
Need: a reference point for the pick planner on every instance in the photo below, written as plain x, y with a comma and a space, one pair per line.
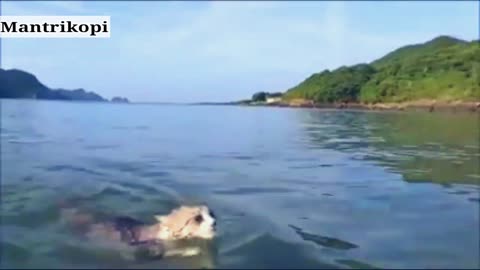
444, 69
342, 84
16, 83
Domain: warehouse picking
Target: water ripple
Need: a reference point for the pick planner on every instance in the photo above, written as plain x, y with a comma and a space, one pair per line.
58, 168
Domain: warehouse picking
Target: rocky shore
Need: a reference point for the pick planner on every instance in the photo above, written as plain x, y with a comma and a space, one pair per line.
421, 105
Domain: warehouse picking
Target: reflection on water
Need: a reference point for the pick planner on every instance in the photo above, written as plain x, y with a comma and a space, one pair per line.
422, 147
292, 188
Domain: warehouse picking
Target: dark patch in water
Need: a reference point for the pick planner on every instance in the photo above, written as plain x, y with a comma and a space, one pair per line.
242, 157
27, 178
459, 192
323, 240
251, 190
325, 165
327, 194
474, 200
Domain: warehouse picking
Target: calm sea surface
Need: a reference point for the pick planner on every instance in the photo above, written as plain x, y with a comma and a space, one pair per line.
294, 188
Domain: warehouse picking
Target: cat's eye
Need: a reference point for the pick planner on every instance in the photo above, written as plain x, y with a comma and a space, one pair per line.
199, 219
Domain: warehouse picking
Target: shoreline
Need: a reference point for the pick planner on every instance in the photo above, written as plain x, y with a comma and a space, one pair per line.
421, 105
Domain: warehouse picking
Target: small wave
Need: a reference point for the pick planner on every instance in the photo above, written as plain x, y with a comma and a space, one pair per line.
17, 141
57, 168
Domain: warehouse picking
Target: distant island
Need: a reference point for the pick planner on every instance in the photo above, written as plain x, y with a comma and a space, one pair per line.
444, 71
120, 100
16, 83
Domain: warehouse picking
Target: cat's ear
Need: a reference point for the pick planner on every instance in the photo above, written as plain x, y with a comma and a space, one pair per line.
159, 218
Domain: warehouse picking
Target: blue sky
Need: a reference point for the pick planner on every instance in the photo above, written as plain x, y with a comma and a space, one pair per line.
222, 51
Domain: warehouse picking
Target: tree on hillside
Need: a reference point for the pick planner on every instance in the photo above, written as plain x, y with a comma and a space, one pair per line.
259, 96
275, 94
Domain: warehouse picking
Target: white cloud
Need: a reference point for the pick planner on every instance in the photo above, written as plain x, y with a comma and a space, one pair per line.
247, 35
